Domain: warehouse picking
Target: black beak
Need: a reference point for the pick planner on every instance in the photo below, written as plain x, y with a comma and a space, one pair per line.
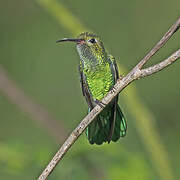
68, 39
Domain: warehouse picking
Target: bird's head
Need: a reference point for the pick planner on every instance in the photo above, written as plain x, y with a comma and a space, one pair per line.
89, 46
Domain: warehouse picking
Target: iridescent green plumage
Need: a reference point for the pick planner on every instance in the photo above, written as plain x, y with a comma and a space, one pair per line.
98, 74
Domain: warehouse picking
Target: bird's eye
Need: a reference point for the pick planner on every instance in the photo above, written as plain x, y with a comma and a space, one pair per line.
92, 41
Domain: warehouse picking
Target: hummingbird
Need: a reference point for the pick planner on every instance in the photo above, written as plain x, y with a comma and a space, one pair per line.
98, 74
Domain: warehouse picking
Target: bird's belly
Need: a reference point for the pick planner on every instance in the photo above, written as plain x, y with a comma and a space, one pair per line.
99, 84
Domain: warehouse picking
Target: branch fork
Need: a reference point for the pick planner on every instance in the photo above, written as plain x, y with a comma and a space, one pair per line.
136, 73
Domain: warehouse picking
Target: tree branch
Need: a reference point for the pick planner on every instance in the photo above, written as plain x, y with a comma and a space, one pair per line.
136, 73
158, 67
161, 43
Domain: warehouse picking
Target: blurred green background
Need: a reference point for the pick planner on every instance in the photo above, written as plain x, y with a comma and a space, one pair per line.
48, 75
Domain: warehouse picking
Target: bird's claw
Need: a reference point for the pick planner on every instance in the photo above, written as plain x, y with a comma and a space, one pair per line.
113, 90
100, 103
121, 76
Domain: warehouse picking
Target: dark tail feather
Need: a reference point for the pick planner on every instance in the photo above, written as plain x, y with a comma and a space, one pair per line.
100, 130
120, 125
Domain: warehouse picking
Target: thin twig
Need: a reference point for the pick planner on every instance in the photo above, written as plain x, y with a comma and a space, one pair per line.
134, 74
158, 67
161, 43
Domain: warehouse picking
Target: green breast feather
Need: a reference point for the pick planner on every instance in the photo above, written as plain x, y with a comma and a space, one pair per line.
100, 80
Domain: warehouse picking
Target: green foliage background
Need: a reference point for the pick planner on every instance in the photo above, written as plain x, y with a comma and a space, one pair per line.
48, 73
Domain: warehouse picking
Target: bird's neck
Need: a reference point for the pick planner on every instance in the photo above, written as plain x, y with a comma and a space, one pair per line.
93, 63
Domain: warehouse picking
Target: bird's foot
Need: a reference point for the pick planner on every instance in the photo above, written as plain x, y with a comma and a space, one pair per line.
100, 103
121, 77
113, 90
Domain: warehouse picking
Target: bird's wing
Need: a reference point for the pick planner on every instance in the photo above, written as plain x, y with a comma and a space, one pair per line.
114, 68
85, 89
115, 72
